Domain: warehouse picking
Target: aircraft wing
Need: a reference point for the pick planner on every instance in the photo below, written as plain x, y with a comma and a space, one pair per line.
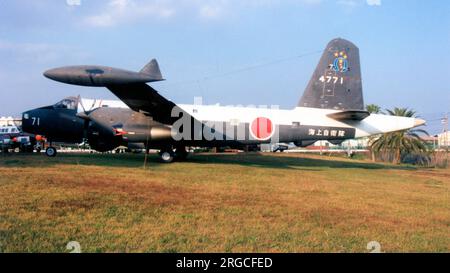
140, 97
129, 86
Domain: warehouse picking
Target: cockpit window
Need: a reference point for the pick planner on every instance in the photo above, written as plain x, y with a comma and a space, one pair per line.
66, 104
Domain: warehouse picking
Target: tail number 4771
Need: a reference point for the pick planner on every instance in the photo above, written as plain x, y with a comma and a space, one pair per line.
332, 79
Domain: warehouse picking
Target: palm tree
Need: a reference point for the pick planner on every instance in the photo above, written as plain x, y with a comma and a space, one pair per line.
373, 109
406, 141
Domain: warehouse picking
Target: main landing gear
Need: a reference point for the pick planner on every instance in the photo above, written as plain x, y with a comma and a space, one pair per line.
168, 155
50, 151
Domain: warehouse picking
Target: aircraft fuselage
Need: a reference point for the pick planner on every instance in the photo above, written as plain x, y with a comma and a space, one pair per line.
219, 125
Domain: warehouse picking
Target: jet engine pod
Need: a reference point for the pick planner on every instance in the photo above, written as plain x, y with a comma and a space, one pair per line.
89, 75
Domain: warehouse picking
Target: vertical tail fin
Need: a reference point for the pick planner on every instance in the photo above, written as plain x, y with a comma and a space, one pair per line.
336, 82
152, 69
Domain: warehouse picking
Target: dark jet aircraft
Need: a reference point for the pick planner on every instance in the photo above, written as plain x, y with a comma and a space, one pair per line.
331, 108
65, 122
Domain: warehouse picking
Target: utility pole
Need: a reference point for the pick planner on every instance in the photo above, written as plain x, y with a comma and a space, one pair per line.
445, 139
445, 130
147, 150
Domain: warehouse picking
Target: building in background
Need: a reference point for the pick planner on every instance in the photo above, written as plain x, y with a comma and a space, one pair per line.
9, 126
444, 140
430, 141
360, 143
10, 121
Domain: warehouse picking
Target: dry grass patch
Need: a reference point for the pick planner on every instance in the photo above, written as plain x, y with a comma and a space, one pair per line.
216, 203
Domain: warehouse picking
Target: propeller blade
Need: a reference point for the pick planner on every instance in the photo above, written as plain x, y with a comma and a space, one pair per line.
93, 104
84, 115
81, 103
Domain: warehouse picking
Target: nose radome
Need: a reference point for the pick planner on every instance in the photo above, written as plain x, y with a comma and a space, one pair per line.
419, 122
52, 73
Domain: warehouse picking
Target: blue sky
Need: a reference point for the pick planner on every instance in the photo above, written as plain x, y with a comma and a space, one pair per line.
404, 47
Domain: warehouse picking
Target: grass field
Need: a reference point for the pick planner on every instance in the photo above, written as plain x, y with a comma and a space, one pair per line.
220, 203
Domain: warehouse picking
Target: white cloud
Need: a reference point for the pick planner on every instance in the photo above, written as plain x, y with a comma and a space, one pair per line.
374, 2
311, 2
120, 11
351, 5
41, 53
348, 3
73, 2
208, 11
124, 11
38, 52
116, 12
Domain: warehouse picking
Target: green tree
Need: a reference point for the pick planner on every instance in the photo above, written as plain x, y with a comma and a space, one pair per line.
405, 141
373, 109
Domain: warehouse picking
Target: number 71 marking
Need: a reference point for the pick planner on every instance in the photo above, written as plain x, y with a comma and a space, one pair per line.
36, 121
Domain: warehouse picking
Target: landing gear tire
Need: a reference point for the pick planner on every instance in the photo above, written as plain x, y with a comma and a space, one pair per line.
50, 152
166, 156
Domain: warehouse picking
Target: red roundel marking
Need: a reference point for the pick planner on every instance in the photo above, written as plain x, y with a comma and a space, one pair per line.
262, 128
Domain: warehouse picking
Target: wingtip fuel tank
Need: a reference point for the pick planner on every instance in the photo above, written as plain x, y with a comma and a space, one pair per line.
94, 75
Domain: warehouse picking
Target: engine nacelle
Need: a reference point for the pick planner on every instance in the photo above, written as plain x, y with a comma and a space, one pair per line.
143, 134
102, 145
108, 128
102, 139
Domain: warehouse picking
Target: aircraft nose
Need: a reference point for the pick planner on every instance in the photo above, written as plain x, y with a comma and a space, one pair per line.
53, 74
30, 120
419, 122
26, 121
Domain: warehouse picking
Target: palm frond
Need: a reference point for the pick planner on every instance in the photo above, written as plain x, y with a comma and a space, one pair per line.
406, 141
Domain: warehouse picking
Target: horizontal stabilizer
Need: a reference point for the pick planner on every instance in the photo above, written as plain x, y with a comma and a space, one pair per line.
349, 115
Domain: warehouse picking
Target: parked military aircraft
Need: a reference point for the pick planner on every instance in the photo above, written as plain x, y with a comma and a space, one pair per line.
61, 122
331, 108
